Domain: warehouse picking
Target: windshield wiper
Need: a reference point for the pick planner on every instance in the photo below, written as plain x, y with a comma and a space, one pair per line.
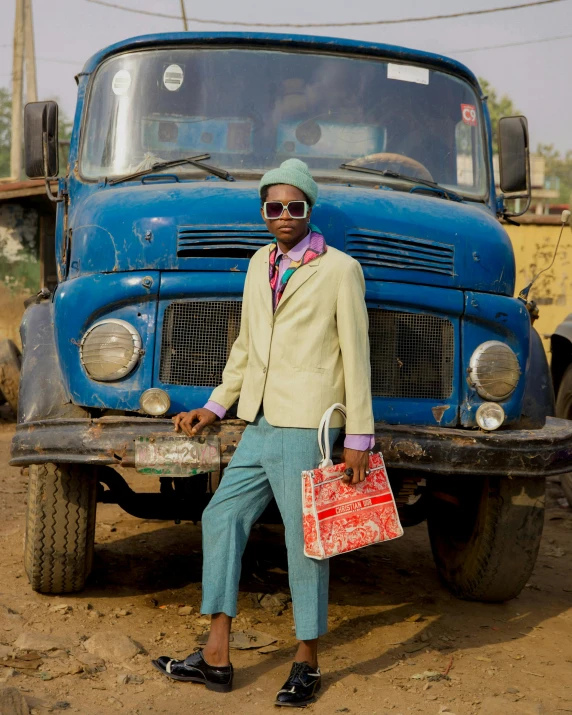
193, 160
451, 195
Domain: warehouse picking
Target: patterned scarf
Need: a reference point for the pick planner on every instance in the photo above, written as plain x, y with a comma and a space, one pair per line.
316, 248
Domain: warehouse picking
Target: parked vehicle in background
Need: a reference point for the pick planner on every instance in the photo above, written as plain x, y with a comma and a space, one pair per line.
158, 216
561, 364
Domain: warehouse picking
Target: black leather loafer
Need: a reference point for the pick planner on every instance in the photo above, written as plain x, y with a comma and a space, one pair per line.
301, 687
195, 669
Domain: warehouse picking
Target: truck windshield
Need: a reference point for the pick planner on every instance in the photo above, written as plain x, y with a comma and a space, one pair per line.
252, 109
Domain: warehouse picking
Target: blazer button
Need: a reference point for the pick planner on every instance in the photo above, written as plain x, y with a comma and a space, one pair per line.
263, 369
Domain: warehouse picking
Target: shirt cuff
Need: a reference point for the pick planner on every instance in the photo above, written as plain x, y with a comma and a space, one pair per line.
361, 442
219, 410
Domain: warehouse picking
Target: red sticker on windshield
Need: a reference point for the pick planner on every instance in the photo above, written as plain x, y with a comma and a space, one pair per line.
469, 114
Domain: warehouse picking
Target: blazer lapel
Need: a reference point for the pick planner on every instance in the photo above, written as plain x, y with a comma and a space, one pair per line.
265, 289
300, 276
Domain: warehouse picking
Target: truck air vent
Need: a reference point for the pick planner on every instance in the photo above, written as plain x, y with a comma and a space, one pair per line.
411, 355
240, 241
389, 250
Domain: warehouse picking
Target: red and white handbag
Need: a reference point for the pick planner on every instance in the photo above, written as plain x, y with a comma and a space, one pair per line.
340, 517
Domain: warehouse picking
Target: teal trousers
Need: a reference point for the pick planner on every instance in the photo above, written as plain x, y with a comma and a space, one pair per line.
268, 462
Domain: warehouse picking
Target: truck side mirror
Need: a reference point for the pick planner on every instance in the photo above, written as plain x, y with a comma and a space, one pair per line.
514, 160
41, 140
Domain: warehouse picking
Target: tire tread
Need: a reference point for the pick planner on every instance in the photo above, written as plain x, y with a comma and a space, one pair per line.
60, 527
497, 563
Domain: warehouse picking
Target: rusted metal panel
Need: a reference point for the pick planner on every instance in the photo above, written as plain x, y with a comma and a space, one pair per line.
512, 453
104, 441
439, 450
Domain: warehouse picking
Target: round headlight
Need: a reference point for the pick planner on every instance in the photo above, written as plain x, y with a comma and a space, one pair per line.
494, 370
154, 401
490, 416
110, 349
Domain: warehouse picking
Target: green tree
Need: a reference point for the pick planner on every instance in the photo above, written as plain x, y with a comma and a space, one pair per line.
560, 166
498, 107
557, 165
65, 126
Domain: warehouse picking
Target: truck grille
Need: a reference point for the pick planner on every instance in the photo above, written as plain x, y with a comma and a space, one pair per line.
197, 338
387, 250
411, 355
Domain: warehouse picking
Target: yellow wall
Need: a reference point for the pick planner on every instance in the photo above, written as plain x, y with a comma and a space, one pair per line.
533, 250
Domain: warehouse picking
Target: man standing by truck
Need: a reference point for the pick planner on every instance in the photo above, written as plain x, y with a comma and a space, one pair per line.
303, 345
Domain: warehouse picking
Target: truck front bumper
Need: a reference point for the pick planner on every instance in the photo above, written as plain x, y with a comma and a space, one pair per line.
110, 441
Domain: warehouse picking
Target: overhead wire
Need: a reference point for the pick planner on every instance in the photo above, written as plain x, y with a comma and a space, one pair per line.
241, 23
509, 44
554, 38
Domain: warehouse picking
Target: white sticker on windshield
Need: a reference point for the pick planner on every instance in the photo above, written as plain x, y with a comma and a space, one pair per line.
408, 73
121, 82
173, 77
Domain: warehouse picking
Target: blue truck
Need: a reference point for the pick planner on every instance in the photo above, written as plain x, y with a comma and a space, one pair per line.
157, 218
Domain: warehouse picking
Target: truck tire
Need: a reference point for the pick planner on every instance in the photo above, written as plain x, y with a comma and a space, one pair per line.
485, 533
10, 359
564, 410
60, 527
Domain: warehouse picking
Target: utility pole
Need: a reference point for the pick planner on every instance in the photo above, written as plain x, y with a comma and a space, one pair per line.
30, 51
185, 26
17, 87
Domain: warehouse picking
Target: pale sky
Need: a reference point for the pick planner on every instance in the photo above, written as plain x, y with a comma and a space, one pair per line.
536, 76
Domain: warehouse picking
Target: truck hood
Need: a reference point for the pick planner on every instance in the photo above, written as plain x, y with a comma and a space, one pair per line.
215, 226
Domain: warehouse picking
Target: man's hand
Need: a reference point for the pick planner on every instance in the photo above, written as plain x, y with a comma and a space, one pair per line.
359, 462
202, 417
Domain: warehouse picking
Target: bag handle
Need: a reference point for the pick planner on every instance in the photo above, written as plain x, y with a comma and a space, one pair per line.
324, 433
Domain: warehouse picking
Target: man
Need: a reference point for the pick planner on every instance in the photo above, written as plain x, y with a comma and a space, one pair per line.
303, 345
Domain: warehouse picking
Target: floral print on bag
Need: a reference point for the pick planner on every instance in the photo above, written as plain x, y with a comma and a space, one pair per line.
340, 517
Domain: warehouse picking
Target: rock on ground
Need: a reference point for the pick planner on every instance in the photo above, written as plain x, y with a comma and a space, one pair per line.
90, 659
274, 601
112, 646
40, 641
12, 702
10, 621
63, 666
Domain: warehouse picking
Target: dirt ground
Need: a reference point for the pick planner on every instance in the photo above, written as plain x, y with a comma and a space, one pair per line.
391, 622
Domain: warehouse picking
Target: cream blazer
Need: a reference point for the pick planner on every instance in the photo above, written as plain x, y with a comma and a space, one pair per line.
313, 351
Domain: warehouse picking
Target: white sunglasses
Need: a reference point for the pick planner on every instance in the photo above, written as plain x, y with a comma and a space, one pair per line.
274, 209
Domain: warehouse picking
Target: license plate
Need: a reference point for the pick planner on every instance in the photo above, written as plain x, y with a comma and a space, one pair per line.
177, 456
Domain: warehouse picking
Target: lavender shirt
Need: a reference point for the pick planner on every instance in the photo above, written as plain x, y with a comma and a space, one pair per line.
361, 442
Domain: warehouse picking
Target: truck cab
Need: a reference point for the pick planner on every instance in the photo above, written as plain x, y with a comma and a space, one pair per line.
157, 219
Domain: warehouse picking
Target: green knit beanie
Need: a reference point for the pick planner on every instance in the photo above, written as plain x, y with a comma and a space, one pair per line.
293, 172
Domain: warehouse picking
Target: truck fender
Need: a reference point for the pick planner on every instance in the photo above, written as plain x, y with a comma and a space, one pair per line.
561, 349
538, 402
42, 391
